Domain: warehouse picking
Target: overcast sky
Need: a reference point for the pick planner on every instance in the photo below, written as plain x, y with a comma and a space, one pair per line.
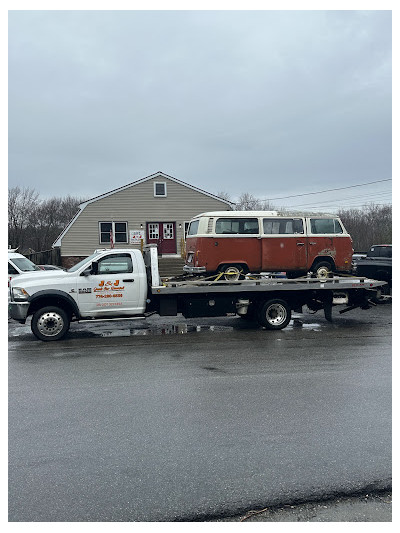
274, 103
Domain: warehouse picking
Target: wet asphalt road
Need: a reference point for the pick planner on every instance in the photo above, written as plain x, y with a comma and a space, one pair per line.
125, 422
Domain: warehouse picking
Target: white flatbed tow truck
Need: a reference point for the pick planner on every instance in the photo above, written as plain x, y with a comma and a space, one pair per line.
121, 284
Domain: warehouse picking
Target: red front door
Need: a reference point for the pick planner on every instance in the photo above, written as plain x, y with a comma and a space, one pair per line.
163, 234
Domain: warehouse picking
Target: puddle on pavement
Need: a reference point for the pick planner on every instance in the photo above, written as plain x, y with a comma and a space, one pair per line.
178, 329
298, 323
181, 329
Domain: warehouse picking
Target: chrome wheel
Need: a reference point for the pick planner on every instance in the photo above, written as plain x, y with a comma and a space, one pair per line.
50, 324
276, 314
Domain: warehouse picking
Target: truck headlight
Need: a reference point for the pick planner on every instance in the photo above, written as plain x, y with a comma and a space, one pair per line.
19, 294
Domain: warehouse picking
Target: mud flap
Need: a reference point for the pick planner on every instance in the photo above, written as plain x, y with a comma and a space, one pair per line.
328, 311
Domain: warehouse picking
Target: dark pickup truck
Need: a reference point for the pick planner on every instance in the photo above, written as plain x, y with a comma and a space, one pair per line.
377, 264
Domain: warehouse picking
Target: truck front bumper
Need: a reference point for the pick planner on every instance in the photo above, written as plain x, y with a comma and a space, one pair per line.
18, 311
193, 270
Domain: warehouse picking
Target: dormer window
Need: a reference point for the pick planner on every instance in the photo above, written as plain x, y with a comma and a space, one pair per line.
160, 188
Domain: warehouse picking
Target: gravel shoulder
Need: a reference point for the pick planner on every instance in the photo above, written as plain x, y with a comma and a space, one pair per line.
375, 507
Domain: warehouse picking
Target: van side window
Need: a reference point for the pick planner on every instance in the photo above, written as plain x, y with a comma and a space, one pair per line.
282, 226
325, 225
234, 226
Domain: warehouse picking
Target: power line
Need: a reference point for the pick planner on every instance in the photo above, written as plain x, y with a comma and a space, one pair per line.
327, 190
333, 206
362, 198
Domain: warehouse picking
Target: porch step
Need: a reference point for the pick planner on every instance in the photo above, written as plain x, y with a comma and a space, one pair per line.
170, 266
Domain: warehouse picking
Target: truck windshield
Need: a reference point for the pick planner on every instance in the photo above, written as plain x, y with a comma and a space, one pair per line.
25, 264
81, 263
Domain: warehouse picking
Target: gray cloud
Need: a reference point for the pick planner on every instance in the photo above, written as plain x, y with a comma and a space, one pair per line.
268, 102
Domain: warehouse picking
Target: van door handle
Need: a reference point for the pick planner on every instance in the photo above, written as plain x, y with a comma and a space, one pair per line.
300, 243
312, 243
128, 280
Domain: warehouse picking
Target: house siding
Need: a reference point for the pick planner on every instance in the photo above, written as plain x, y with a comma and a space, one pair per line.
136, 205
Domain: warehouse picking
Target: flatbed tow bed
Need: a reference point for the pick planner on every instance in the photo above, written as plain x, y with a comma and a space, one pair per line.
268, 300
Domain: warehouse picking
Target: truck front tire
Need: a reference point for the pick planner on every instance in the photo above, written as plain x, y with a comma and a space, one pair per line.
50, 323
274, 314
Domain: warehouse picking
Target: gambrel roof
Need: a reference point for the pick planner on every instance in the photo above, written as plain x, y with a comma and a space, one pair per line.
160, 175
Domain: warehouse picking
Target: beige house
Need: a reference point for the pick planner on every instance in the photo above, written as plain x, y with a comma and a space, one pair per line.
155, 209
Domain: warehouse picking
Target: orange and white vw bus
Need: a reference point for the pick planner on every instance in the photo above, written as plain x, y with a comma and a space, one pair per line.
239, 242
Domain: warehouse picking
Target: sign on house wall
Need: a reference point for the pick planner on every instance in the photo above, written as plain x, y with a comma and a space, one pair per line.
136, 236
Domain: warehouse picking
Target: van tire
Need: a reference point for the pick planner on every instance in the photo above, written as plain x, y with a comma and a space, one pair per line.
234, 272
322, 269
274, 314
50, 323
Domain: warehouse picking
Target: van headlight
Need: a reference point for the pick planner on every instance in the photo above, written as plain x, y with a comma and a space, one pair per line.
19, 294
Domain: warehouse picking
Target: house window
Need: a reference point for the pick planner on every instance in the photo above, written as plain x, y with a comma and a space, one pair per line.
119, 231
160, 188
154, 231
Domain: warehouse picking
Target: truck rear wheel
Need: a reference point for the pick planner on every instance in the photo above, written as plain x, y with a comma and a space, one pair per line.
274, 314
50, 323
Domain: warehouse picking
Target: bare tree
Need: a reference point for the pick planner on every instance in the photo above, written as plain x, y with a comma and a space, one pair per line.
225, 196
22, 204
367, 226
35, 224
248, 202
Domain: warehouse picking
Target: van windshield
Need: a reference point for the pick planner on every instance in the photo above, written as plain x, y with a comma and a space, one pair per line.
242, 226
193, 227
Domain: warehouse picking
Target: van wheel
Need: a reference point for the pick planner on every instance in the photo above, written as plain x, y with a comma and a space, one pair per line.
274, 314
50, 323
322, 269
234, 272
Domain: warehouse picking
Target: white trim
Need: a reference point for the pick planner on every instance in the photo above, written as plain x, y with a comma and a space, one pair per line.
57, 242
155, 189
152, 176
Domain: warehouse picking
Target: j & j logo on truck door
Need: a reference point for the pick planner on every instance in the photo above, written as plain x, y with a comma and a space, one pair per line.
108, 286
108, 289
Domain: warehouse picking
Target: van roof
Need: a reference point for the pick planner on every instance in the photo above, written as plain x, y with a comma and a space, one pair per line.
237, 214
231, 214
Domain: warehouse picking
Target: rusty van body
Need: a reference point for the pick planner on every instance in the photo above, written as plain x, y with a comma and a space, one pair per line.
239, 242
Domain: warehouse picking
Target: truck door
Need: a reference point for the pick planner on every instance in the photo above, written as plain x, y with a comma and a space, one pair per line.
114, 290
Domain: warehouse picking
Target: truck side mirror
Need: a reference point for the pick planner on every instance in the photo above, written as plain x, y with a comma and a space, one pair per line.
95, 268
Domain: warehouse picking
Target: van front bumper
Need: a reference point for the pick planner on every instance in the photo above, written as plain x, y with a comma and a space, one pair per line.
193, 270
18, 311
